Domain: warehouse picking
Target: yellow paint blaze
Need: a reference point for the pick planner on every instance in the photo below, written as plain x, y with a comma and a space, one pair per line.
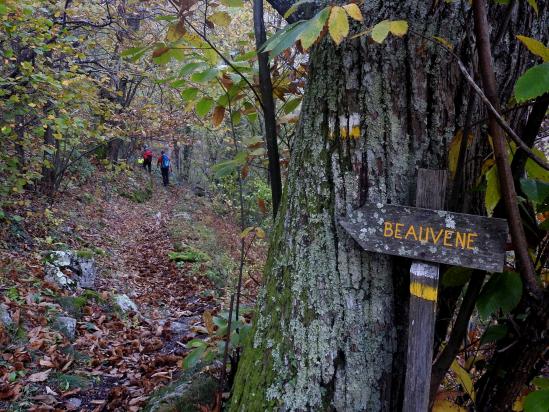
423, 291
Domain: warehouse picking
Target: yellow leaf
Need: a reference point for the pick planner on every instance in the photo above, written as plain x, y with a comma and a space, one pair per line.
399, 27
464, 377
536, 47
444, 42
220, 18
455, 145
338, 25
380, 31
175, 32
218, 115
208, 321
443, 405
353, 11
260, 233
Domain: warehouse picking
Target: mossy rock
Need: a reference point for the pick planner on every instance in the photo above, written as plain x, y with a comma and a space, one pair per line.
73, 305
85, 253
138, 195
185, 394
189, 255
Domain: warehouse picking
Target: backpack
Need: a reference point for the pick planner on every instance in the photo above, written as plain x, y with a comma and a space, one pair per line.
165, 161
147, 155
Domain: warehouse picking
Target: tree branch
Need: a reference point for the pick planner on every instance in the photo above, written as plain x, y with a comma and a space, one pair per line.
507, 185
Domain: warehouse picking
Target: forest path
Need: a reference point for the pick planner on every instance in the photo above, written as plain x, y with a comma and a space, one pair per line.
116, 360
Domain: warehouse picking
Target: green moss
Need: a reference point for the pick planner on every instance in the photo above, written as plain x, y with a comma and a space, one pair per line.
66, 382
138, 195
186, 394
73, 305
85, 253
189, 255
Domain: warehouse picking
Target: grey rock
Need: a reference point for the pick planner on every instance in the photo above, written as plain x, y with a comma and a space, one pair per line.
66, 325
84, 271
73, 404
124, 303
178, 327
55, 275
5, 317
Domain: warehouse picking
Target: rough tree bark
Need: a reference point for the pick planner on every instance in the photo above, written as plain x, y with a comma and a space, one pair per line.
330, 333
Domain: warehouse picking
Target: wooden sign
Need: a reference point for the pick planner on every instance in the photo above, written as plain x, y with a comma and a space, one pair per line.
431, 235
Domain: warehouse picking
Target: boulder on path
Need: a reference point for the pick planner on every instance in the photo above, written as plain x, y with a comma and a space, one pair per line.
124, 303
80, 265
66, 325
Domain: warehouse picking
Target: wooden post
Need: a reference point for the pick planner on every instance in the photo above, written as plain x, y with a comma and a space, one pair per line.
431, 190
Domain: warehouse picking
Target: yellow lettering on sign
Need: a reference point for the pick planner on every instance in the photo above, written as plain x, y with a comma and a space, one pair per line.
437, 237
398, 227
470, 240
388, 229
447, 235
421, 238
426, 234
411, 232
461, 240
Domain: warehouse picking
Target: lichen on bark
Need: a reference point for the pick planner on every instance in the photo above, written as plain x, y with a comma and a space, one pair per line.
330, 329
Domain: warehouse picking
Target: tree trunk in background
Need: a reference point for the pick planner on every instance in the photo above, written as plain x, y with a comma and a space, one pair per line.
330, 332
268, 105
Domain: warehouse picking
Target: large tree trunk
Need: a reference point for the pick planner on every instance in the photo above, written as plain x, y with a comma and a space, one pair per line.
330, 333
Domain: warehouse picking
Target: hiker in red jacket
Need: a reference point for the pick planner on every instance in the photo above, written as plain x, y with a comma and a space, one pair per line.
164, 163
147, 158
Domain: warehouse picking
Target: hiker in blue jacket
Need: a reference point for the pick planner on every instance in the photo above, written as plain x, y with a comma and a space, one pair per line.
165, 166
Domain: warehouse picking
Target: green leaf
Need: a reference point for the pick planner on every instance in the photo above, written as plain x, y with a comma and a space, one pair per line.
534, 170
493, 194
196, 343
535, 190
232, 3
313, 28
541, 382
132, 51
284, 38
205, 76
295, 6
236, 117
533, 83
537, 401
338, 25
381, 30
189, 94
456, 276
203, 106
291, 105
190, 67
493, 334
535, 46
502, 292
193, 357
179, 83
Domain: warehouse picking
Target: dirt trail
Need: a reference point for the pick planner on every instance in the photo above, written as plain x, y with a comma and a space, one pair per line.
116, 361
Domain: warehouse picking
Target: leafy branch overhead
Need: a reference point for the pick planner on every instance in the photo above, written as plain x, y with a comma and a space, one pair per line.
334, 20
